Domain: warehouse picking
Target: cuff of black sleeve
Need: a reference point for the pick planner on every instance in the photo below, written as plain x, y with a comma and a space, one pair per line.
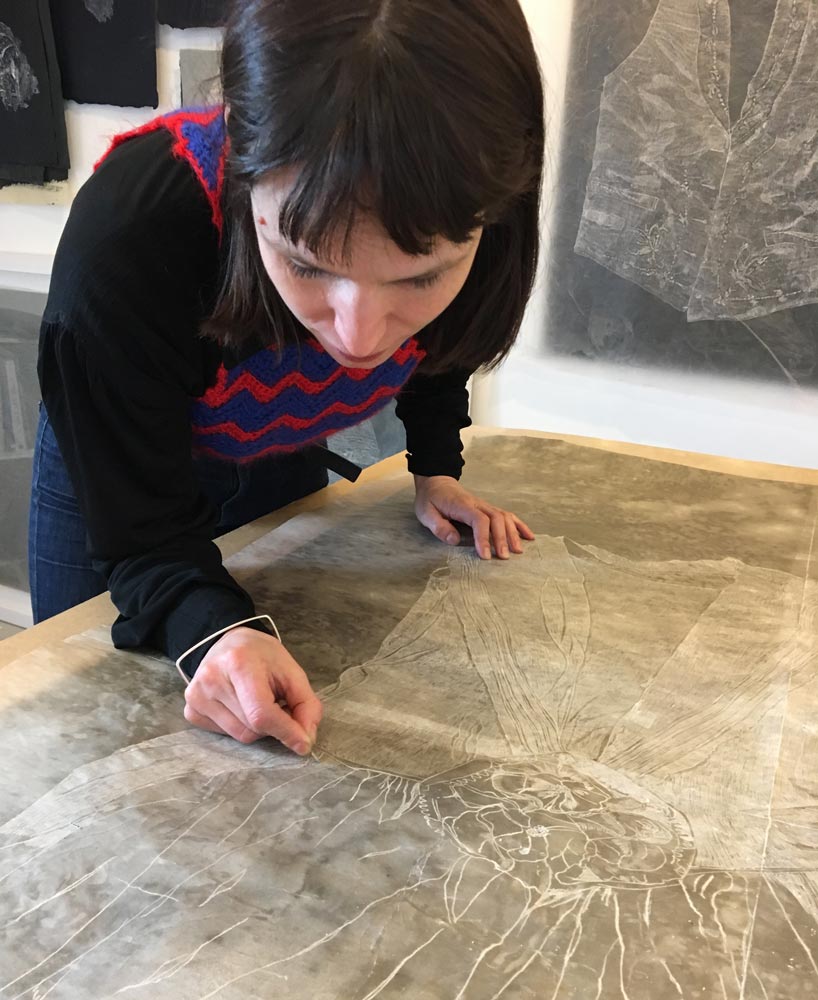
202, 611
433, 466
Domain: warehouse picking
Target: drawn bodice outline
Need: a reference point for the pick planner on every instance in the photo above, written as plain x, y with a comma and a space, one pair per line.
715, 217
216, 871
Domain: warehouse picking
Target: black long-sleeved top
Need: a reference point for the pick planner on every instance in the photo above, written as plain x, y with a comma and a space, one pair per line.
121, 361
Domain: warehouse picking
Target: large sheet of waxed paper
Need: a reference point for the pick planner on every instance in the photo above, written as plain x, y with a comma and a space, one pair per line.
587, 772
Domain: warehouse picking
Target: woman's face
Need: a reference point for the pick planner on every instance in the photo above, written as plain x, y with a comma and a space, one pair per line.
362, 308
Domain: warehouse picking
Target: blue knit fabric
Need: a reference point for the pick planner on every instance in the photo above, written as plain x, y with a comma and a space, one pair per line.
273, 402
206, 145
280, 402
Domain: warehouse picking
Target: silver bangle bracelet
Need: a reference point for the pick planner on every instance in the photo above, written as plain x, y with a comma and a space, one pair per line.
221, 631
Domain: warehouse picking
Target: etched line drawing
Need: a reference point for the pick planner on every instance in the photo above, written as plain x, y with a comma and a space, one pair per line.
18, 84
489, 815
716, 217
684, 231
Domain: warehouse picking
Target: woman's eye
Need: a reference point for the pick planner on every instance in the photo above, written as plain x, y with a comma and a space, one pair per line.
426, 282
304, 271
300, 271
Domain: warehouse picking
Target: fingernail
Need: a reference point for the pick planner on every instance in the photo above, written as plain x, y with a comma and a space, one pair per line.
301, 748
452, 539
312, 732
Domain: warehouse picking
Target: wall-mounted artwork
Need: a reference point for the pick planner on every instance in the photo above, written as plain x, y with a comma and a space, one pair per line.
192, 13
18, 84
200, 77
107, 51
33, 145
686, 209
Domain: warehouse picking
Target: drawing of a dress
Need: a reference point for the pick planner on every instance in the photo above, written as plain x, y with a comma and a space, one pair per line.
491, 815
718, 218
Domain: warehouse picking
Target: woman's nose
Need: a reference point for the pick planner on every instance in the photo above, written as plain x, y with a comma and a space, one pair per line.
360, 322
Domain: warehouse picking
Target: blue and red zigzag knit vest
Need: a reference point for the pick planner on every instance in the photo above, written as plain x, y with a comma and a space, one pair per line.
272, 401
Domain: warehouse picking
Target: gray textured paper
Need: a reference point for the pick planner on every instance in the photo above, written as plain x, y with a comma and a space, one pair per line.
588, 772
199, 69
684, 228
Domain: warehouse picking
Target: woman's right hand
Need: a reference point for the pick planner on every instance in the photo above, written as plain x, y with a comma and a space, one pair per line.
241, 685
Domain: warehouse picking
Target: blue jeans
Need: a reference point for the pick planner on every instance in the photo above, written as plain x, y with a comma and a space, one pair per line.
59, 567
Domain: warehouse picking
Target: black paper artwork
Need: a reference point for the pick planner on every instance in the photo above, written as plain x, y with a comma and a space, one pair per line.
103, 10
107, 51
33, 145
192, 13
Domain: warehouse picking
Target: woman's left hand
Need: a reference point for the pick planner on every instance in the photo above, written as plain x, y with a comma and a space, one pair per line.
441, 499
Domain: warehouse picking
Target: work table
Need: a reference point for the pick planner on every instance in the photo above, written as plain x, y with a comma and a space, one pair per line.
585, 772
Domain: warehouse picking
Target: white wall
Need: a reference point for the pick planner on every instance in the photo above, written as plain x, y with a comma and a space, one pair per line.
550, 23
715, 415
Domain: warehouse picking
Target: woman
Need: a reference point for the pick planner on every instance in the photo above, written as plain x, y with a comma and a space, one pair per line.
359, 222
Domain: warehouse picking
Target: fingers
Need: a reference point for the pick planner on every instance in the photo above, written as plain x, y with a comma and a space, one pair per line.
264, 715
431, 518
523, 528
220, 720
249, 686
304, 704
480, 524
499, 530
493, 529
513, 534
440, 498
247, 718
499, 533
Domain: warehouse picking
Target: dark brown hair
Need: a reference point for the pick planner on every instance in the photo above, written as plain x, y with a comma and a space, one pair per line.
430, 110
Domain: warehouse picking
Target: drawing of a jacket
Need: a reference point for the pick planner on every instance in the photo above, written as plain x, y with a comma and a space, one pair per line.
715, 217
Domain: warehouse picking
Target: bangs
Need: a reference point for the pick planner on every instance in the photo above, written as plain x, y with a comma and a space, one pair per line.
422, 117
384, 152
